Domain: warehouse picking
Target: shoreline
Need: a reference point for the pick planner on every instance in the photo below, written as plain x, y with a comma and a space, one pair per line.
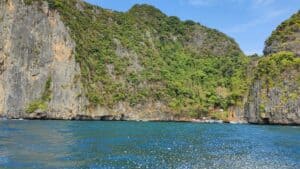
241, 122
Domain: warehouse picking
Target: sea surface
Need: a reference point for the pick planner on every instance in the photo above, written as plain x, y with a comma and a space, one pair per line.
108, 145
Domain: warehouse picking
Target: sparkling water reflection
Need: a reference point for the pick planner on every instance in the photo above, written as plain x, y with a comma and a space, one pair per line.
71, 144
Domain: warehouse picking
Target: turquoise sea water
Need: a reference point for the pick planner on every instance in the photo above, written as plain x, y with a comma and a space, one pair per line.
77, 144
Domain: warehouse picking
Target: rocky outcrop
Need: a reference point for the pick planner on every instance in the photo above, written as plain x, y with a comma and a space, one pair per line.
274, 96
38, 74
286, 37
278, 106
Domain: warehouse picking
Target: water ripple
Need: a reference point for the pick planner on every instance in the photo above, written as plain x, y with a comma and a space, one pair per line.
109, 145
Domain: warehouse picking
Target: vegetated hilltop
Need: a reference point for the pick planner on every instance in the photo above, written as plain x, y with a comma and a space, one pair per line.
275, 93
140, 64
286, 37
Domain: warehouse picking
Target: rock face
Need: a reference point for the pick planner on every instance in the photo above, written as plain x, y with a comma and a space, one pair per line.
274, 96
278, 105
36, 49
286, 37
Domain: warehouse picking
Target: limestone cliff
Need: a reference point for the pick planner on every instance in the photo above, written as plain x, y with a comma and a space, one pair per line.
275, 92
39, 76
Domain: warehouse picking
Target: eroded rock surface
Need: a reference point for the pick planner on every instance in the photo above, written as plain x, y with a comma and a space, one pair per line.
36, 48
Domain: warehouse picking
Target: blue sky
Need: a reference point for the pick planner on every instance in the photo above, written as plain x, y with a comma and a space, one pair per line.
249, 22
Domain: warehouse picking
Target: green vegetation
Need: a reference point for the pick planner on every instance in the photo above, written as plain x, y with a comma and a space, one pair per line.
280, 71
285, 35
36, 105
28, 2
273, 67
220, 116
262, 109
157, 65
143, 55
286, 29
42, 103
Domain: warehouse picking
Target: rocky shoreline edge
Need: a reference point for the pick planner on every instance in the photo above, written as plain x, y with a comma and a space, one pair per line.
123, 118
45, 116
106, 119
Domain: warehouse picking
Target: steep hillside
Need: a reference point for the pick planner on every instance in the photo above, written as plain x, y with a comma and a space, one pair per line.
140, 64
275, 93
286, 37
38, 72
